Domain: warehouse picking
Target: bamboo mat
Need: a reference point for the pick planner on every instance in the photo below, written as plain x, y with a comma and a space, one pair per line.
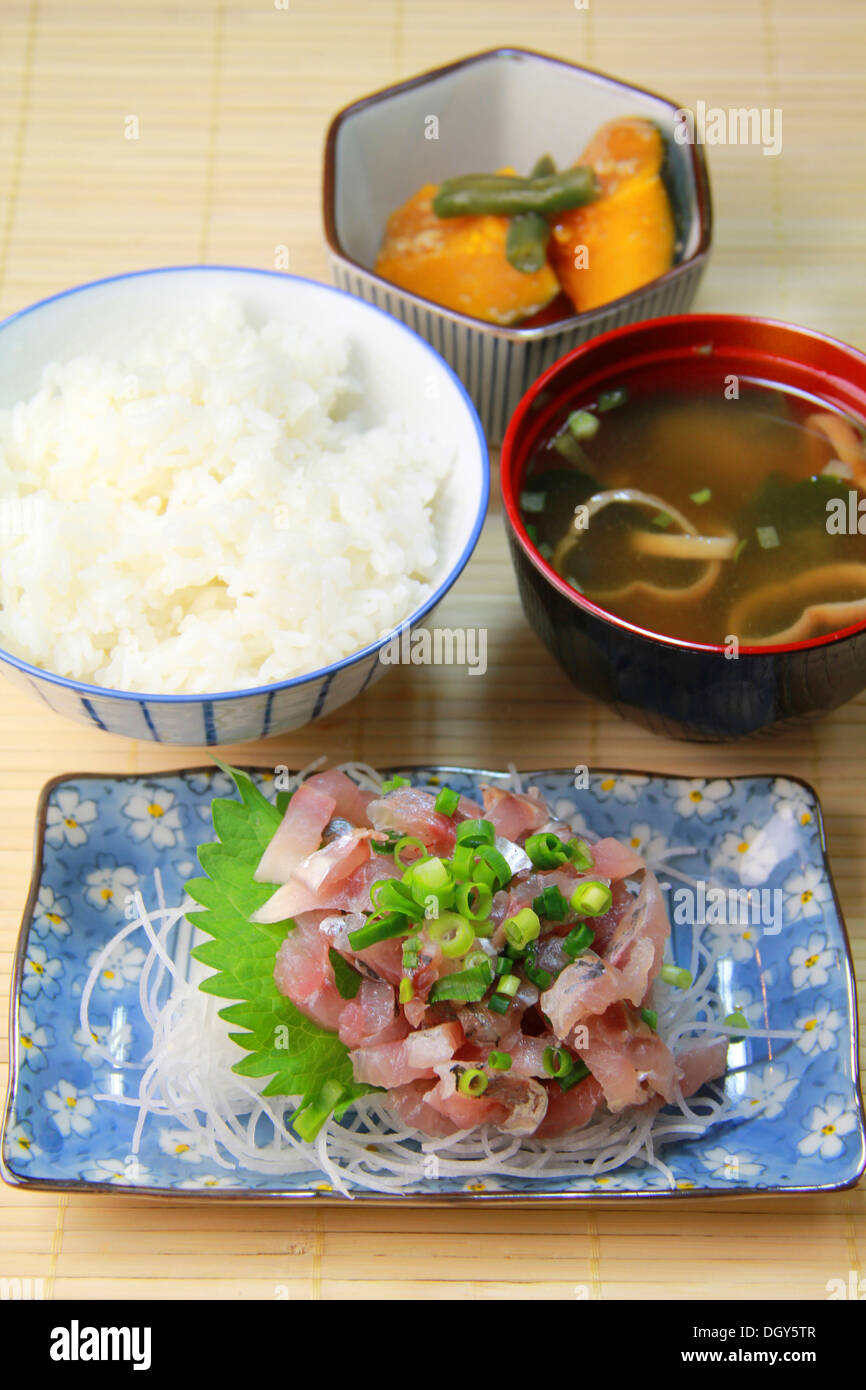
232, 102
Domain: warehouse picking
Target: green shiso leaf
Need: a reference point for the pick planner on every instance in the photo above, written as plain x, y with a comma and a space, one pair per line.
279, 1042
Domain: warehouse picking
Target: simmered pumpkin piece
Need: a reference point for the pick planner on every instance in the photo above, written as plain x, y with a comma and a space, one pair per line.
626, 238
460, 263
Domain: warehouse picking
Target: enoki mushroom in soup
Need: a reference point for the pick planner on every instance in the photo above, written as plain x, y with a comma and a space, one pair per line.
702, 517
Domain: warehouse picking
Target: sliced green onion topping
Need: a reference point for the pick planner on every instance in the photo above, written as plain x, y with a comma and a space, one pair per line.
650, 1018
408, 842
702, 496
522, 928
583, 424
477, 958
463, 861
546, 851
380, 927
609, 400
474, 900
551, 904
579, 1072
508, 984
431, 879
472, 1082
591, 899
411, 952
578, 939
579, 854
542, 979
676, 976
406, 991
768, 537
392, 784
498, 1003
447, 801
346, 978
468, 985
737, 1020
499, 1061
475, 832
557, 1061
390, 895
492, 868
454, 934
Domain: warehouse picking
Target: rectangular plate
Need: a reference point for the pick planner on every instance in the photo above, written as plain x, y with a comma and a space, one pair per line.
798, 1124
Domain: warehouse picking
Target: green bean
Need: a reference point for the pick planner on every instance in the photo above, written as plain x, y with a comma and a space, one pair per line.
526, 242
501, 196
529, 232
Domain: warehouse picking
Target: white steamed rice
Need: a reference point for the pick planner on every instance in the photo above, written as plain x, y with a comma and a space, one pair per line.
209, 513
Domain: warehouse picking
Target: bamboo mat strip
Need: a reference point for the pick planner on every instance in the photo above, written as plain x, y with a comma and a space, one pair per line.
233, 100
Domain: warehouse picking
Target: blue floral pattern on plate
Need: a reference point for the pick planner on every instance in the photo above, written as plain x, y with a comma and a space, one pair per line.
797, 1122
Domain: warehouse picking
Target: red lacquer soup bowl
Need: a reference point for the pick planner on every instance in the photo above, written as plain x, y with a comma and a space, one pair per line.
684, 689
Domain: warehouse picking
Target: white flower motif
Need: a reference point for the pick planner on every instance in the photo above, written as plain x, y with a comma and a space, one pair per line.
735, 940
726, 1163
807, 891
52, 913
792, 802
216, 783
41, 973
105, 1040
20, 1145
110, 884
647, 841
623, 787
749, 853
158, 820
701, 798
71, 1111
124, 1172
752, 1006
33, 1040
810, 964
819, 1028
827, 1124
565, 811
767, 1091
67, 816
207, 1181
122, 967
184, 1144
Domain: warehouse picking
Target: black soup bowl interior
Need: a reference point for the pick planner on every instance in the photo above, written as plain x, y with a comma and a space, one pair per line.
683, 688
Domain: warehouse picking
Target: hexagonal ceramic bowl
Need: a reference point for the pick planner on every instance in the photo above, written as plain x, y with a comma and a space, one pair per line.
503, 107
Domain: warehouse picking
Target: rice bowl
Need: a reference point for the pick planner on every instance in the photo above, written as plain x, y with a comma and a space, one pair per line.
343, 442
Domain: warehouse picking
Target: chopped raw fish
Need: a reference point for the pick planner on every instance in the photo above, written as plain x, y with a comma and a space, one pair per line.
408, 1103
572, 1109
628, 1059
394, 1063
351, 802
702, 1063
334, 862
513, 814
637, 944
372, 1017
588, 986
411, 811
612, 859
298, 834
303, 973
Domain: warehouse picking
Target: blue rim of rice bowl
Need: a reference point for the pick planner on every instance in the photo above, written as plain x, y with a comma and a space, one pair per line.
107, 692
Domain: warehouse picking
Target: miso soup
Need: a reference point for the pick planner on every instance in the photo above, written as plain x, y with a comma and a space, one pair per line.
706, 518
